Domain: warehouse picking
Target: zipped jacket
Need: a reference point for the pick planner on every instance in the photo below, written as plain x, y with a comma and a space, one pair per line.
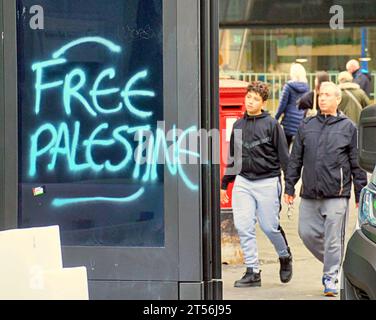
259, 151
364, 81
326, 149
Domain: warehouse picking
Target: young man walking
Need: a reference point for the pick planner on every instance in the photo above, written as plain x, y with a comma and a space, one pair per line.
260, 150
326, 147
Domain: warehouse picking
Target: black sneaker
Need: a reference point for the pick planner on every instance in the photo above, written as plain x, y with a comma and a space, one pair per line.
250, 279
285, 271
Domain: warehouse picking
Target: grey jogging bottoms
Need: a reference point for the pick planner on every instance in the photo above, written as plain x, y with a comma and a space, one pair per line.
322, 225
252, 201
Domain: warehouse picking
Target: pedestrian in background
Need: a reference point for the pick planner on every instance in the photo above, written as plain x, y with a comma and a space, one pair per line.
361, 78
262, 151
326, 147
354, 99
309, 101
292, 91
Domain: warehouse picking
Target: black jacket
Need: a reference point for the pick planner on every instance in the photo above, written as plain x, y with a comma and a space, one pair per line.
259, 151
326, 149
306, 101
364, 80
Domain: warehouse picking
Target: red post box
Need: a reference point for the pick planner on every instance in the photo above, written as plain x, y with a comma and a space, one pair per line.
232, 107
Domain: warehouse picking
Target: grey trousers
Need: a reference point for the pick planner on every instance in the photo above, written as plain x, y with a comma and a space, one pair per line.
322, 225
254, 201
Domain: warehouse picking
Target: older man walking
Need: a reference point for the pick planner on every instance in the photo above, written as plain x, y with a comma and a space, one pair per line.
326, 149
363, 79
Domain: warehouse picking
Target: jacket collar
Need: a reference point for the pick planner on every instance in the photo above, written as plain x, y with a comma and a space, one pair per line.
263, 114
330, 119
356, 73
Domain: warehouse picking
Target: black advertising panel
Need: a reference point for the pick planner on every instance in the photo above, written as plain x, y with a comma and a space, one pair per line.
90, 93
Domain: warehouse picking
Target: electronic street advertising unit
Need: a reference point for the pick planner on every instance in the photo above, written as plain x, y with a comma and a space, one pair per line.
101, 101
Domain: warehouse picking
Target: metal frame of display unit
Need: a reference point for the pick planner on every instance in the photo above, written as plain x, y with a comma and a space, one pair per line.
189, 265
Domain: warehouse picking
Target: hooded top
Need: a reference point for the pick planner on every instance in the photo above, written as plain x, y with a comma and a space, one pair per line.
292, 116
354, 100
364, 81
257, 150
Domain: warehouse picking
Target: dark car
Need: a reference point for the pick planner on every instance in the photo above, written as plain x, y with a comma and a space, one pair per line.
358, 280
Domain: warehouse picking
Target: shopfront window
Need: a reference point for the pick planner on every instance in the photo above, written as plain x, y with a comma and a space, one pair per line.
266, 54
273, 50
259, 39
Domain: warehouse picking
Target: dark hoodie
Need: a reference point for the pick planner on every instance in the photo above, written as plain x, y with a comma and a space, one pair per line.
293, 117
259, 152
326, 147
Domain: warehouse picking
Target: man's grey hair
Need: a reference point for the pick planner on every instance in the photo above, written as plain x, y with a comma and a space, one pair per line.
353, 64
337, 90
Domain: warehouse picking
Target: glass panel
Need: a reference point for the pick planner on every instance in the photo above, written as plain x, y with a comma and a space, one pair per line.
274, 12
267, 54
90, 88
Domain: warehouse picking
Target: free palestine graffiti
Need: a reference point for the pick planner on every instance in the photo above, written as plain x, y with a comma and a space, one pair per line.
62, 140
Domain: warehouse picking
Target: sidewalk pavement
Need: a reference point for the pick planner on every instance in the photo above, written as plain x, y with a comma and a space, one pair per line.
307, 270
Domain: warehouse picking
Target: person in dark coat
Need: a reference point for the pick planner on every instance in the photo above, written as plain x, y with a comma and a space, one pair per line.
309, 101
325, 149
292, 91
363, 79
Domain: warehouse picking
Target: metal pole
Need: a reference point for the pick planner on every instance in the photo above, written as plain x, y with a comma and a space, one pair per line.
364, 41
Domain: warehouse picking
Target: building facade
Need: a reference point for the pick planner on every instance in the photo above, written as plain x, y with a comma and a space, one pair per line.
261, 38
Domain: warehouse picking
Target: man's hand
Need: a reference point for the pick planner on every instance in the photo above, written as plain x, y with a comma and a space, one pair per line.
224, 197
357, 205
289, 199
